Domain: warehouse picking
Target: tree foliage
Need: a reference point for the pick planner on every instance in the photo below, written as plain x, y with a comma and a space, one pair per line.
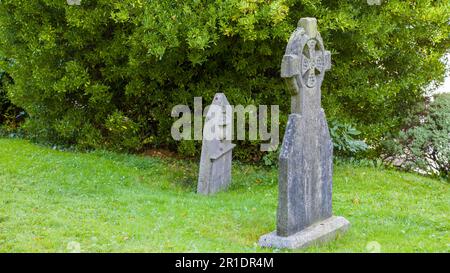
81, 70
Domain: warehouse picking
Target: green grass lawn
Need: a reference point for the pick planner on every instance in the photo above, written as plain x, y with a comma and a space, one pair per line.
108, 202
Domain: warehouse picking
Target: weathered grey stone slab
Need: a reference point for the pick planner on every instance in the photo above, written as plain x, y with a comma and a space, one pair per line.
215, 162
305, 174
306, 157
316, 234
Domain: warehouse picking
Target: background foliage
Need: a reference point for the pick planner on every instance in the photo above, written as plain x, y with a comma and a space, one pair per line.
107, 73
425, 143
10, 114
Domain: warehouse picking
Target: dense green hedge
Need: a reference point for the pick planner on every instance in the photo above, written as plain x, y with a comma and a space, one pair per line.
107, 73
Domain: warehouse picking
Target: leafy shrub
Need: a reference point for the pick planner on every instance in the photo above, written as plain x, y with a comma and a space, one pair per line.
344, 139
122, 131
75, 66
425, 142
271, 158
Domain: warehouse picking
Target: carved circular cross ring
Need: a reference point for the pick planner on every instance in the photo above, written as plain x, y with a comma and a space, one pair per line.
312, 62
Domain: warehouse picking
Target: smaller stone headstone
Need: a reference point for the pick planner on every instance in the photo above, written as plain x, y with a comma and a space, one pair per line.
215, 162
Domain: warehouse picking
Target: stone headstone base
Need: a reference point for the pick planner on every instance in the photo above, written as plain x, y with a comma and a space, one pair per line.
318, 233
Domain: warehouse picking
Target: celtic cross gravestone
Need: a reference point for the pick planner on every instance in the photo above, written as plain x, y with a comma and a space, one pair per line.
304, 214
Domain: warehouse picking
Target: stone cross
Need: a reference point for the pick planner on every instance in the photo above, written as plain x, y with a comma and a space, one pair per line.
215, 162
304, 214
304, 66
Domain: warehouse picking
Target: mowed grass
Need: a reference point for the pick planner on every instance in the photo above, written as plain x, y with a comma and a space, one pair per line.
105, 202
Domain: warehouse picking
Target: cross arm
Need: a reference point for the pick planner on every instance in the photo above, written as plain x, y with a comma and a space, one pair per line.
290, 67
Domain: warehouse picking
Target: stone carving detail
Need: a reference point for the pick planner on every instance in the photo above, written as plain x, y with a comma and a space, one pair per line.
312, 62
